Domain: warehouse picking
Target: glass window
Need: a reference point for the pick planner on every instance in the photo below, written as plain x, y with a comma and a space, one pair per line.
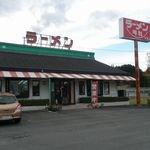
19, 87
81, 88
106, 88
100, 88
36, 88
88, 87
7, 99
0, 85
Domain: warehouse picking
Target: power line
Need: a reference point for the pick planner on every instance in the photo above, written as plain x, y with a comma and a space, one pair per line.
117, 50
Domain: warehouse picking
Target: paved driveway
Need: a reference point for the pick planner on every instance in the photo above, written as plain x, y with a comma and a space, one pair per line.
104, 129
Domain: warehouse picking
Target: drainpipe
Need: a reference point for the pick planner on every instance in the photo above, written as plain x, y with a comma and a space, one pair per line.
91, 90
49, 91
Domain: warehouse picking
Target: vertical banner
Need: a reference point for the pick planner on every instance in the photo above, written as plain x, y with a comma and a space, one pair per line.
95, 91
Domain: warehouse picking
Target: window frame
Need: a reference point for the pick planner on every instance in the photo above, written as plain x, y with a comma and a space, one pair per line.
100, 88
81, 87
1, 85
7, 87
88, 87
38, 91
106, 88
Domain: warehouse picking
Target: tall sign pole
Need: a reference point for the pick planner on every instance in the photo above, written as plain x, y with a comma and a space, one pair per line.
137, 72
138, 31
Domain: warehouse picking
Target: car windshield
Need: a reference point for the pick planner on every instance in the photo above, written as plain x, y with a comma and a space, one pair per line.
7, 99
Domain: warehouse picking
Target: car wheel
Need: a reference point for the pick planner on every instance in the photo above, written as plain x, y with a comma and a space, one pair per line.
17, 120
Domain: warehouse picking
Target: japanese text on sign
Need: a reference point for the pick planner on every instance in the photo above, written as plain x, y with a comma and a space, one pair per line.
135, 30
94, 91
33, 38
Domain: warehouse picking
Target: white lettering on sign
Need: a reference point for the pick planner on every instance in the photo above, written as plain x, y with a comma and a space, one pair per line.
134, 30
137, 29
94, 91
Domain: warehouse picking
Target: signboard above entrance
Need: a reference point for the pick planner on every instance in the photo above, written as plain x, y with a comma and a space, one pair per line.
35, 39
134, 30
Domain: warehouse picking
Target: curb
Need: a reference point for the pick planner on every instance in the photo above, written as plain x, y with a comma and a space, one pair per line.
126, 103
77, 106
33, 108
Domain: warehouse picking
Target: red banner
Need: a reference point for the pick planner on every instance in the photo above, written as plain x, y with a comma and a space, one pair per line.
134, 30
94, 91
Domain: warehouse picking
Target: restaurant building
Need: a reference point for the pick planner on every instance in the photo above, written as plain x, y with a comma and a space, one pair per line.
33, 72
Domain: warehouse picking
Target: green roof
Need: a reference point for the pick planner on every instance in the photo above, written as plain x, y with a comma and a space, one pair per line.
45, 50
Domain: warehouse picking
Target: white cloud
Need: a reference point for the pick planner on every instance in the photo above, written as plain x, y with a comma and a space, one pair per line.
90, 23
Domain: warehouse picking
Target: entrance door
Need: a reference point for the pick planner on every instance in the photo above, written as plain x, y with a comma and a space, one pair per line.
63, 91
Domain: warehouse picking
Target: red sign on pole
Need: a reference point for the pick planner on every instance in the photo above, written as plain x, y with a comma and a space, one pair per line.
137, 31
134, 30
94, 91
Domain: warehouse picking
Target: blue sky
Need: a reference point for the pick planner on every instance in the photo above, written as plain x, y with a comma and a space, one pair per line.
92, 24
123, 53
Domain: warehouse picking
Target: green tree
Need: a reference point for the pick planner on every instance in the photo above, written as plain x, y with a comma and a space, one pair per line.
147, 75
130, 69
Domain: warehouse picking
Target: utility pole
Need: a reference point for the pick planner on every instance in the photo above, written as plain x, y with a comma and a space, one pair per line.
137, 72
148, 60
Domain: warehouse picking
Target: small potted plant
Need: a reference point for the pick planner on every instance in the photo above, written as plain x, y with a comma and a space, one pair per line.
54, 106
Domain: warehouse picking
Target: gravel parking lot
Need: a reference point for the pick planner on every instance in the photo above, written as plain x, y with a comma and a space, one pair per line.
111, 128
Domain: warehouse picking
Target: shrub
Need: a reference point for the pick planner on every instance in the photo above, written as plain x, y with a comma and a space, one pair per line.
55, 107
85, 100
104, 99
40, 102
148, 102
113, 99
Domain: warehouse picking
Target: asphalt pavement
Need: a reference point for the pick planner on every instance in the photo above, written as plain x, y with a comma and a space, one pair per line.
110, 128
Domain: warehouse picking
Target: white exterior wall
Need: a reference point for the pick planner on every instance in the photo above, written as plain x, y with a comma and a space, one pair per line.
144, 92
3, 85
76, 91
43, 89
113, 89
112, 86
72, 92
77, 96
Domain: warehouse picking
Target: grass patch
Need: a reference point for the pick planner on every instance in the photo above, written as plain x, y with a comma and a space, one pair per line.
144, 101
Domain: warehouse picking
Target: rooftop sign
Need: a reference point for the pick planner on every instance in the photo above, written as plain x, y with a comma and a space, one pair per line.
35, 39
134, 30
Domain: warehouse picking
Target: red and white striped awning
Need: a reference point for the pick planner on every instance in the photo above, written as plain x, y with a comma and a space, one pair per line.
15, 74
18, 74
90, 76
